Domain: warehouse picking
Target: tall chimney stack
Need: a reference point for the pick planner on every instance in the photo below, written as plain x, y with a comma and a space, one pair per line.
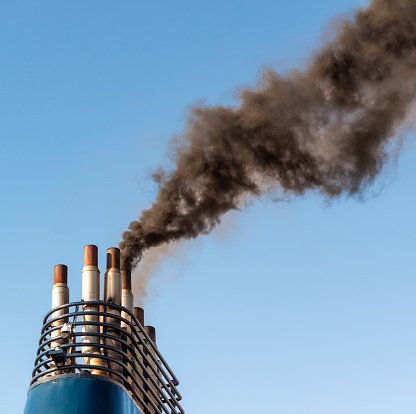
127, 298
91, 293
60, 296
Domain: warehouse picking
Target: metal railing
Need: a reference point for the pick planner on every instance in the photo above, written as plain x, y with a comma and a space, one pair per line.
123, 351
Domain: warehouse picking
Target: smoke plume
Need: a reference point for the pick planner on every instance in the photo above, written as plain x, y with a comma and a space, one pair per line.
149, 265
328, 128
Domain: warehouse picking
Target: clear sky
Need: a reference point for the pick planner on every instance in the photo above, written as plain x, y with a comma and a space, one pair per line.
305, 307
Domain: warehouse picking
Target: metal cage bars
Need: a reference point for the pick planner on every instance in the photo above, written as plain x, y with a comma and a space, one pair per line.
141, 368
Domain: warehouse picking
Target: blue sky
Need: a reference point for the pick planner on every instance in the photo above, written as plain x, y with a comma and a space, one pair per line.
294, 308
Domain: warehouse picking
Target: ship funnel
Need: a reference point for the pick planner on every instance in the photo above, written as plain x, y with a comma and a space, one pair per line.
96, 355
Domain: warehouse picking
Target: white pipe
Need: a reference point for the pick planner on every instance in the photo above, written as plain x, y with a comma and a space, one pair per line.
60, 296
90, 284
91, 292
127, 298
127, 301
112, 287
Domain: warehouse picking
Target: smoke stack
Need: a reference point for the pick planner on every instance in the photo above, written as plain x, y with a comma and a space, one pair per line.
139, 314
127, 301
112, 277
151, 331
91, 255
90, 274
113, 258
91, 293
113, 294
60, 274
60, 291
103, 348
127, 298
60, 296
126, 279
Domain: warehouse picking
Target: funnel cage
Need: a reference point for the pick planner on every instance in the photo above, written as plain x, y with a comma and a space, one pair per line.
105, 344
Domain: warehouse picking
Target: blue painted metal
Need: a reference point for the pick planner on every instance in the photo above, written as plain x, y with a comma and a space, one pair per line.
79, 394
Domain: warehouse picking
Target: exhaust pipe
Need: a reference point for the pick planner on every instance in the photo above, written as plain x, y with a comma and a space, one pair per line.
151, 331
127, 298
60, 296
139, 314
91, 292
60, 293
127, 301
112, 294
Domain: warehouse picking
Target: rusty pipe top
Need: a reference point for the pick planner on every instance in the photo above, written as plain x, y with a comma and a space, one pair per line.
139, 314
113, 258
90, 255
151, 331
60, 274
126, 279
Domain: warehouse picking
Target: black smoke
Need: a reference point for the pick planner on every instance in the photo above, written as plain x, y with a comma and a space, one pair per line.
327, 128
